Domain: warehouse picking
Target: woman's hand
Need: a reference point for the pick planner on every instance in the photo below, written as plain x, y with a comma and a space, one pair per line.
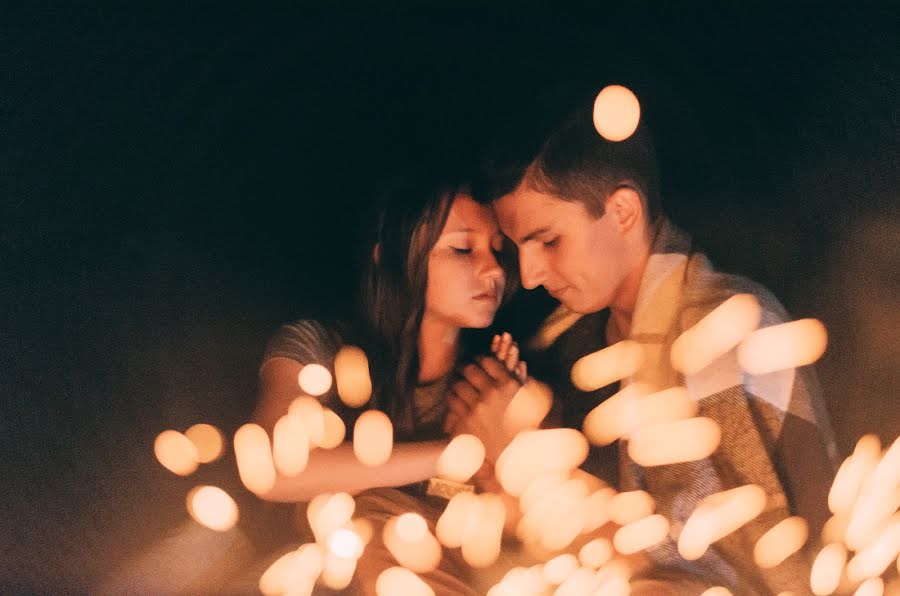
507, 352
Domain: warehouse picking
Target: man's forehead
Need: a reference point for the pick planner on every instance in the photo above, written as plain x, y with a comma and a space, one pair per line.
525, 211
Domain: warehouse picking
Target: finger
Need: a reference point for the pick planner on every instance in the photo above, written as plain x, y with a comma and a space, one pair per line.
494, 368
475, 375
465, 393
512, 357
505, 341
495, 344
522, 371
450, 422
457, 411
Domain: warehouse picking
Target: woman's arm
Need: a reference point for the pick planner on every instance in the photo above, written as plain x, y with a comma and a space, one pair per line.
335, 470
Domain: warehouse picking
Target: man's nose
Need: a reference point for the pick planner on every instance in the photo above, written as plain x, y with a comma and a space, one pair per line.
531, 270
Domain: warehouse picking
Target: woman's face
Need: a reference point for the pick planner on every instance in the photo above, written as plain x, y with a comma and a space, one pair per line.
465, 281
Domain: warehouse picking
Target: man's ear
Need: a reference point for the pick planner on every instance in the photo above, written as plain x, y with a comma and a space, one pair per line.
376, 253
624, 205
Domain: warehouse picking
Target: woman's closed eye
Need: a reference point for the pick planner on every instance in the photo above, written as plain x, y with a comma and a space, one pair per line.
461, 251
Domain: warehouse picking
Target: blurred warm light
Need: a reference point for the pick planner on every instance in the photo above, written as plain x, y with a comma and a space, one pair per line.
345, 543
668, 405
176, 452
557, 517
407, 538
827, 569
718, 515
835, 528
532, 453
212, 507
337, 572
253, 453
641, 534
612, 579
483, 531
521, 581
314, 379
595, 553
540, 486
674, 442
395, 581
335, 430
878, 500
461, 458
294, 573
875, 558
559, 568
310, 411
780, 542
290, 445
630, 506
664, 443
329, 512
614, 417
874, 586
717, 591
208, 441
581, 582
373, 438
452, 522
351, 375
617, 113
789, 345
598, 509
852, 474
618, 361
715, 334
528, 408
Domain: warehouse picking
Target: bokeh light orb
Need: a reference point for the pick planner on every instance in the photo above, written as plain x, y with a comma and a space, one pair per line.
617, 113
314, 379
212, 507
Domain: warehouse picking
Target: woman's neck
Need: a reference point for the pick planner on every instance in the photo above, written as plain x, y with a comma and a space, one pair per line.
438, 349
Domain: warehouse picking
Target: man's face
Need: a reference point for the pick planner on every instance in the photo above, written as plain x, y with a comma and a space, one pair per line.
579, 259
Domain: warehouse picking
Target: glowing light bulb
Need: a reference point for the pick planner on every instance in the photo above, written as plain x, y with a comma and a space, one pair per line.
208, 441
212, 507
715, 334
290, 445
641, 534
780, 541
617, 113
314, 379
608, 365
663, 443
351, 373
176, 452
373, 438
461, 458
789, 345
254, 458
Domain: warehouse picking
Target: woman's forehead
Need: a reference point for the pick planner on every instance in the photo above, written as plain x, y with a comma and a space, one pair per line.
468, 216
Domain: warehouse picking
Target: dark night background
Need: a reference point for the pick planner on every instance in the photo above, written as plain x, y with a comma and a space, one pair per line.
177, 182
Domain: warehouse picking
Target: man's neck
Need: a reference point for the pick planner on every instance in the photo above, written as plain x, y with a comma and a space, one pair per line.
622, 306
438, 349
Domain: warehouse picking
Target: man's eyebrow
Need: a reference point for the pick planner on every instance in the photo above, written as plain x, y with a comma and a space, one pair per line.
534, 234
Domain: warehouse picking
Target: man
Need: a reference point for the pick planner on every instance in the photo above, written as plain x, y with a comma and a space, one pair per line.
586, 218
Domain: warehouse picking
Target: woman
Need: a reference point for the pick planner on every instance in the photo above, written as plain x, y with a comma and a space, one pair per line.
436, 269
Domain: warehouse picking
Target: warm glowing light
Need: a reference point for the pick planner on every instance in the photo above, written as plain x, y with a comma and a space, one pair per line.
373, 438
715, 334
598, 509
176, 452
878, 500
452, 522
835, 528
461, 458
557, 569
875, 558
528, 408
827, 569
874, 586
630, 506
407, 538
208, 441
557, 517
614, 417
668, 405
533, 453
212, 507
273, 579
780, 542
778, 347
718, 515
580, 582
641, 534
595, 553
665, 443
612, 579
254, 458
327, 513
618, 361
397, 580
337, 572
345, 543
314, 379
617, 113
852, 474
484, 531
335, 430
717, 591
521, 581
310, 411
290, 445
351, 375
294, 573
